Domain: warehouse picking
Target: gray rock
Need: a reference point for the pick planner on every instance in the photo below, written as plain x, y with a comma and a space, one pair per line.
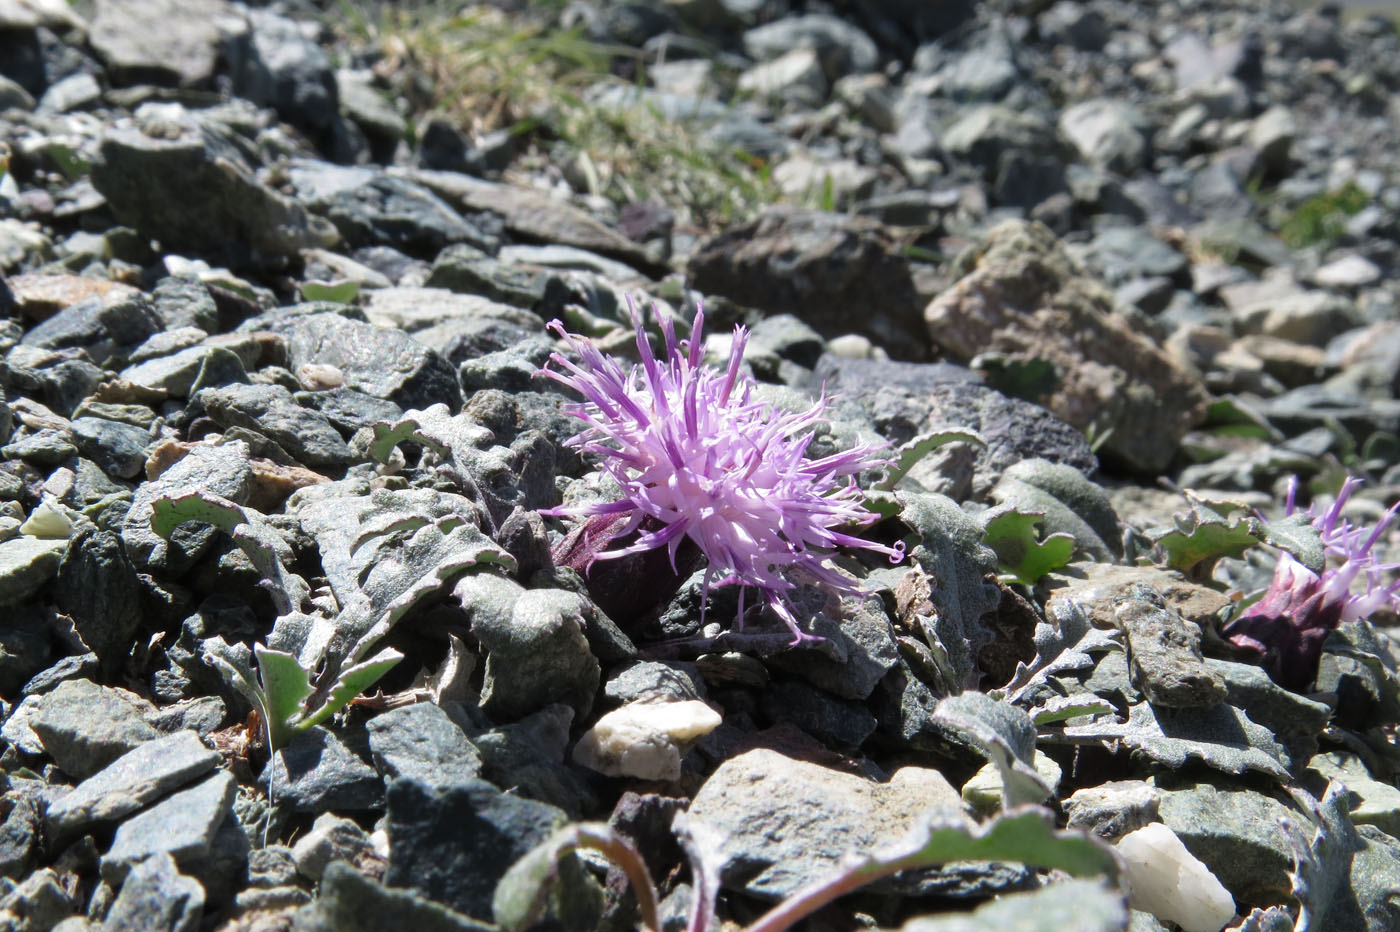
421, 742
25, 647
177, 373
527, 758
383, 363
556, 256
317, 772
120, 449
150, 165
453, 843
133, 780
331, 839
536, 653
14, 96
1107, 134
349, 410
98, 589
183, 301
1271, 135
156, 897
167, 342
38, 902
274, 63
835, 722
984, 135
1022, 298
1112, 810
467, 270
271, 411
533, 216
1166, 654
842, 47
84, 726
75, 92
181, 52
1123, 253
27, 564
817, 266
859, 650
350, 902
370, 208
1236, 833
21, 836
510, 370
457, 326
183, 825
643, 680
219, 470
786, 823
105, 330
1075, 24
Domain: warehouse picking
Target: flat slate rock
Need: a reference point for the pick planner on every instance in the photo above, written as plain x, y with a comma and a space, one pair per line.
421, 742
84, 726
181, 52
453, 843
132, 781
387, 364
156, 897
183, 825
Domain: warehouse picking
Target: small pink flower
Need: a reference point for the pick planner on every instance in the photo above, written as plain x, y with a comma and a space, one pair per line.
698, 459
1286, 627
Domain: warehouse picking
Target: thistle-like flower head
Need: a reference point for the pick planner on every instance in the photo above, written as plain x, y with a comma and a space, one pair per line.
1287, 626
698, 458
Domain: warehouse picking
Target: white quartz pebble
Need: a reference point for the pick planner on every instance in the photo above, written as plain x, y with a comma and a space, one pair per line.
1166, 880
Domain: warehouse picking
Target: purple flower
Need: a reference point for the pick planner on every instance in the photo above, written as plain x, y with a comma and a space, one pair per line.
698, 459
1285, 629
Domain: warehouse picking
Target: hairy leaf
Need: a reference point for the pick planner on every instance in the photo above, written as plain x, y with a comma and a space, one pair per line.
1220, 736
1062, 645
1005, 734
264, 546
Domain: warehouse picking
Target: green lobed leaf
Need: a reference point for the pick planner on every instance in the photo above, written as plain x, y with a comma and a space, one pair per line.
1022, 557
1026, 834
343, 292
1063, 644
1202, 535
1296, 535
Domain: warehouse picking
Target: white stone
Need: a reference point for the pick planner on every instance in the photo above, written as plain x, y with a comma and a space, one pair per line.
1166, 880
1348, 272
799, 70
645, 739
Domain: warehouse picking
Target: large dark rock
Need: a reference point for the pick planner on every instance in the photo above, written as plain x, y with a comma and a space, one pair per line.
386, 364
98, 589
839, 274
454, 842
184, 183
